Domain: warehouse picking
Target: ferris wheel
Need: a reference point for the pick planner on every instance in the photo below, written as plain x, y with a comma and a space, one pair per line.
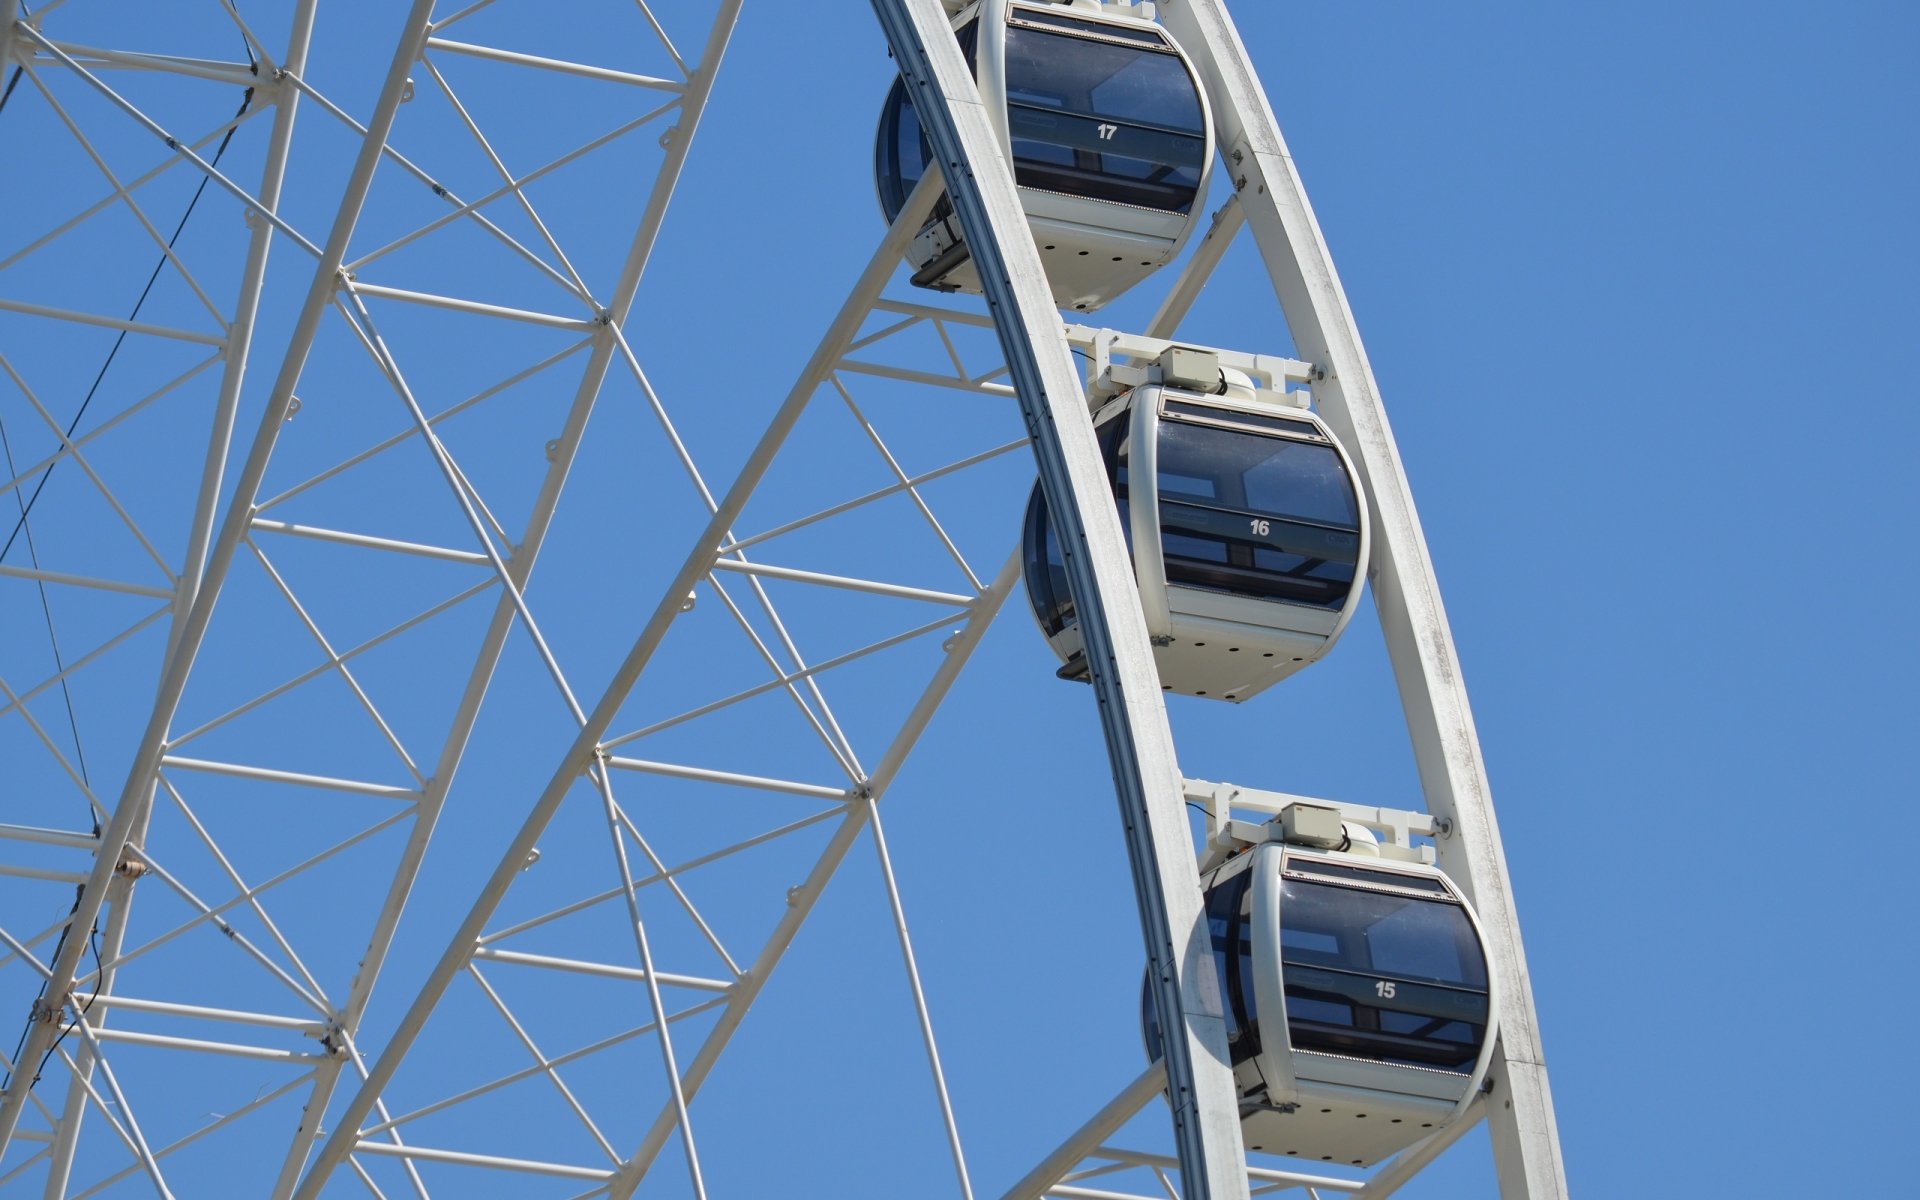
437, 700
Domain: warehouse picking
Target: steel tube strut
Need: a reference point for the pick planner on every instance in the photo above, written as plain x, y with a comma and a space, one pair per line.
1419, 642
582, 753
1119, 657
136, 796
519, 570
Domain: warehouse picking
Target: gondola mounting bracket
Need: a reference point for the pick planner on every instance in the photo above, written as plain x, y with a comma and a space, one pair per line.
1311, 825
1123, 361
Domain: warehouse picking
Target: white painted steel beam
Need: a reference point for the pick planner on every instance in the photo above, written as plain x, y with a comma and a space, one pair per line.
601, 348
174, 144
235, 348
340, 1144
604, 970
129, 814
84, 318
583, 70
868, 586
238, 74
802, 899
83, 581
494, 1161
1126, 684
1406, 592
48, 837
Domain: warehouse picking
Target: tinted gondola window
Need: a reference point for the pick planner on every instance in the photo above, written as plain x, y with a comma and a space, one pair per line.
900, 152
1231, 931
1046, 574
1257, 515
1103, 117
1382, 975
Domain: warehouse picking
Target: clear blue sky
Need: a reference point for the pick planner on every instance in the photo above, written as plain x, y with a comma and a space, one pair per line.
1636, 285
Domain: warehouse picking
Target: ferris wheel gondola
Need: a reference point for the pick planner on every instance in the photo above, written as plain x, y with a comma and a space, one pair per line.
1108, 132
1248, 532
1361, 1015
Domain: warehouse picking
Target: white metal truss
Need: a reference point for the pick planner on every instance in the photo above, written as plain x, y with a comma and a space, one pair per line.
550, 1013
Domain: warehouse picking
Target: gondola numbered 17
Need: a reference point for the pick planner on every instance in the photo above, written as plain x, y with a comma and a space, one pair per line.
1361, 1015
1243, 513
1108, 132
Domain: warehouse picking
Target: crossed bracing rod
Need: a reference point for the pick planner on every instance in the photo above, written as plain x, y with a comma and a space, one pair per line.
200, 583
106, 884
714, 549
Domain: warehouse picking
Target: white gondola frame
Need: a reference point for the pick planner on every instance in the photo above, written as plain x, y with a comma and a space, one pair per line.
1176, 612
1068, 227
1387, 1090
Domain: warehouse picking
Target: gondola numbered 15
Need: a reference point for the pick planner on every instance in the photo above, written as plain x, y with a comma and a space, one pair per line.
1361, 1015
1108, 132
1243, 513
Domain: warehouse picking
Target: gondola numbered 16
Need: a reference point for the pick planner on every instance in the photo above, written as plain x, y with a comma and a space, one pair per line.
1361, 1015
1108, 132
1243, 513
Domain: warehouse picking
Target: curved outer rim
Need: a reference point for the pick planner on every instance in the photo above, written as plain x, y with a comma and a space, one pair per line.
1270, 987
990, 72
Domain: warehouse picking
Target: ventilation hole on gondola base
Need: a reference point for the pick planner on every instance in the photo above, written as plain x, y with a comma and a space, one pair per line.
1356, 1162
1116, 258
1233, 649
1396, 1120
1326, 1110
1199, 693
1266, 654
1359, 1116
1083, 254
1326, 1158
1230, 696
1426, 1124
1297, 660
1199, 643
1046, 247
1144, 263
1295, 1153
1166, 687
